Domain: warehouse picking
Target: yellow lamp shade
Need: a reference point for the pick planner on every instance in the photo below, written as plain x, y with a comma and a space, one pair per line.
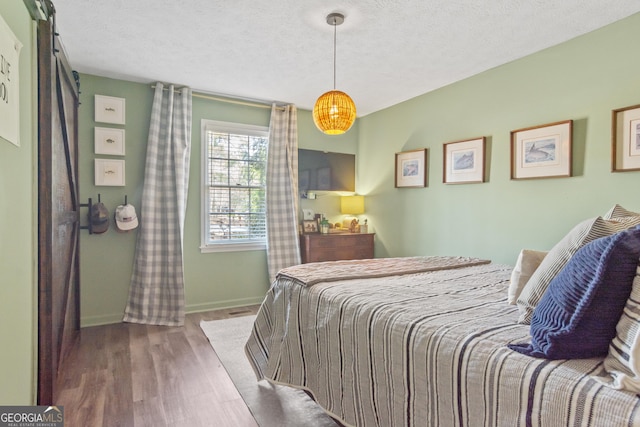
334, 112
352, 205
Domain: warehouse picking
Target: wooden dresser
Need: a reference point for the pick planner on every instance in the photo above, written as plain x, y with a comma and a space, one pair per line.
334, 247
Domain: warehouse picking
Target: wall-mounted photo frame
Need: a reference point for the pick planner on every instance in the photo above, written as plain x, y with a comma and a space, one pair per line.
310, 226
411, 168
109, 141
10, 76
109, 172
542, 151
463, 161
109, 109
625, 139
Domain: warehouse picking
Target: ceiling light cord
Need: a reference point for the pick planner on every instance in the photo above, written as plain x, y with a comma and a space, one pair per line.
335, 25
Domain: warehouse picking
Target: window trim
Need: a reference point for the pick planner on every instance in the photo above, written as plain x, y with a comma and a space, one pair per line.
223, 246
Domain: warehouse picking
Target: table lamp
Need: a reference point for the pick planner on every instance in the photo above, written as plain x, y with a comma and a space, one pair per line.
352, 205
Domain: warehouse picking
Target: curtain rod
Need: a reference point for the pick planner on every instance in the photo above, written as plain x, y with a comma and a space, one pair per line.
227, 100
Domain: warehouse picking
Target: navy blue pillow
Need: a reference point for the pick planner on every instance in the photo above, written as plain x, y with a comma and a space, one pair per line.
577, 315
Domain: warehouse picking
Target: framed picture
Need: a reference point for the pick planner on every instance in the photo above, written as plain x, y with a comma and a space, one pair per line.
625, 139
109, 141
109, 172
411, 168
542, 151
464, 161
310, 226
109, 109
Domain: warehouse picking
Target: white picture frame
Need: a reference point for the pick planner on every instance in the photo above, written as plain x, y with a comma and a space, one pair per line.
109, 172
109, 141
10, 96
109, 109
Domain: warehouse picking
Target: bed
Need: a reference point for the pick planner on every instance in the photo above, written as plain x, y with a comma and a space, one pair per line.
421, 341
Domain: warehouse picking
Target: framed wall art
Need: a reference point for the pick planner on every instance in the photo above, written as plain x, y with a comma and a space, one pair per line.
310, 226
625, 139
10, 96
411, 168
109, 109
109, 141
109, 172
463, 161
542, 151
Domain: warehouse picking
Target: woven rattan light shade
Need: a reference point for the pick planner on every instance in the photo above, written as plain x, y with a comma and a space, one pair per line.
334, 112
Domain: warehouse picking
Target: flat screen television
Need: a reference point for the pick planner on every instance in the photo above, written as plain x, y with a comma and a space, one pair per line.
325, 171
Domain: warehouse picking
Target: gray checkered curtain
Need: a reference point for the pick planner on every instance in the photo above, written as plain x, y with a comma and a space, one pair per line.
283, 246
156, 293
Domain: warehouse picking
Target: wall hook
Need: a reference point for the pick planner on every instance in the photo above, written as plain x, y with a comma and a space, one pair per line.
88, 205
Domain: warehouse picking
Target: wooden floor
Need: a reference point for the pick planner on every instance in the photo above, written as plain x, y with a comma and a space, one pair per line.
139, 375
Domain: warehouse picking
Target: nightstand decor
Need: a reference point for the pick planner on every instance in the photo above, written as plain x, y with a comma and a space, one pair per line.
352, 205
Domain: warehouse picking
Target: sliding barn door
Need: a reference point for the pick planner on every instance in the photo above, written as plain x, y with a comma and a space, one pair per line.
58, 209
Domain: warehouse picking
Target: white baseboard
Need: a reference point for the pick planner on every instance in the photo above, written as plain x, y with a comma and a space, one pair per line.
108, 319
196, 308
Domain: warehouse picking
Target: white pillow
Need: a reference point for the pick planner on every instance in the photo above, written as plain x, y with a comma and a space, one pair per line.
528, 262
621, 367
560, 254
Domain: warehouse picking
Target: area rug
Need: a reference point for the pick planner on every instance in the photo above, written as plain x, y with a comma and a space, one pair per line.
271, 405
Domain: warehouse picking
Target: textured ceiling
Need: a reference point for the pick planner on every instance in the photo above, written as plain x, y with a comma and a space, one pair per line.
388, 51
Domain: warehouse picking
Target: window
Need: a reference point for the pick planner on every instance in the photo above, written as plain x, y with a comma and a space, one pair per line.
233, 186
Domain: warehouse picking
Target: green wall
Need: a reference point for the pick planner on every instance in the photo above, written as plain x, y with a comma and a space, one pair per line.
583, 80
18, 216
212, 280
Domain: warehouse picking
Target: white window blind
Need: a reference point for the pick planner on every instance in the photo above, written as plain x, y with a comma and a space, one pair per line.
234, 186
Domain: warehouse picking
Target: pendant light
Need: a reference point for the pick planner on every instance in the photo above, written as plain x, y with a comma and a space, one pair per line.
335, 111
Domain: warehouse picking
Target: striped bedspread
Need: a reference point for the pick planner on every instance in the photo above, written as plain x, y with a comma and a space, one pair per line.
424, 349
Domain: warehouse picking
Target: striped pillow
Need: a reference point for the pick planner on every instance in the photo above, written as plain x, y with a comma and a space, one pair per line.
618, 211
577, 316
560, 254
621, 367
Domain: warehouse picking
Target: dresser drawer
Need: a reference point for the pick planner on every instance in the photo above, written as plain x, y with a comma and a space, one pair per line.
334, 247
338, 241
